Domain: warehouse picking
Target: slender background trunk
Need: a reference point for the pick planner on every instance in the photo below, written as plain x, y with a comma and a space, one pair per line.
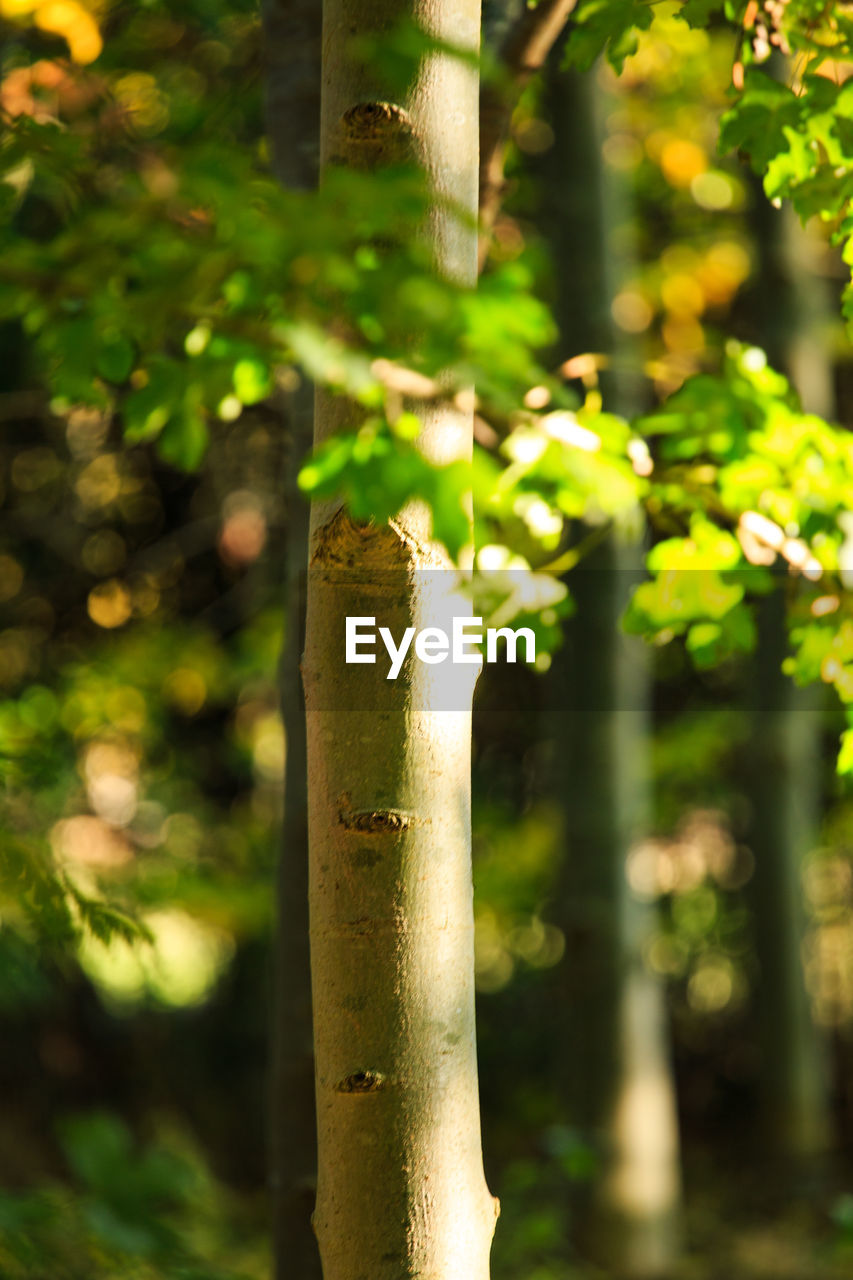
614, 1073
785, 748
401, 1190
292, 31
784, 794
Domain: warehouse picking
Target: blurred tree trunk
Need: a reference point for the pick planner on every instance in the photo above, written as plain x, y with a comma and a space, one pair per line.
785, 797
785, 746
292, 31
401, 1191
614, 1071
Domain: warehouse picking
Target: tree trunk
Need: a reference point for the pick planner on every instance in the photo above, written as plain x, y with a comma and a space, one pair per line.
401, 1191
784, 794
785, 749
293, 1126
614, 1073
292, 30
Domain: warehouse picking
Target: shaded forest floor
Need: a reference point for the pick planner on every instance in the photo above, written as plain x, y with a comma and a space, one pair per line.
747, 1219
738, 1224
800, 1244
793, 1246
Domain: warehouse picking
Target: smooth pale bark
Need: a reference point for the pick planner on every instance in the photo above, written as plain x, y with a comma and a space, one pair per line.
401, 1191
614, 1073
785, 748
292, 31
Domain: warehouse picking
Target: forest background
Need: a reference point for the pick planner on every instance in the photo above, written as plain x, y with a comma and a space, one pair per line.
164, 301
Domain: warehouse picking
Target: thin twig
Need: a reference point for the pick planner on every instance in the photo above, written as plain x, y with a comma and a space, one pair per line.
523, 52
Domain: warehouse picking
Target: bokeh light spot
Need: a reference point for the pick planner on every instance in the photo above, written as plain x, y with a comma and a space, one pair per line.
11, 578
109, 604
186, 690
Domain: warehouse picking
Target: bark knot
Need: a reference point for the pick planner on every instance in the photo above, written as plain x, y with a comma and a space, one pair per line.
375, 121
360, 546
373, 133
361, 1082
375, 821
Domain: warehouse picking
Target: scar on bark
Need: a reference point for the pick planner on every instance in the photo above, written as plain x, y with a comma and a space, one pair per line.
374, 133
372, 821
363, 546
361, 1082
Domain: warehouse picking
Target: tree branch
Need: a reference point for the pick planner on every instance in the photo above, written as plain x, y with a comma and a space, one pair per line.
523, 52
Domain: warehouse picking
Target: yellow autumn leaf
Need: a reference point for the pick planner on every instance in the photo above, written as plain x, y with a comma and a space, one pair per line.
66, 18
69, 19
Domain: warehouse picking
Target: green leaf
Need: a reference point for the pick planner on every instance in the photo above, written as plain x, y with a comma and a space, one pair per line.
703, 643
844, 763
698, 13
842, 127
71, 349
609, 25
376, 472
115, 358
757, 122
184, 439
252, 380
147, 410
